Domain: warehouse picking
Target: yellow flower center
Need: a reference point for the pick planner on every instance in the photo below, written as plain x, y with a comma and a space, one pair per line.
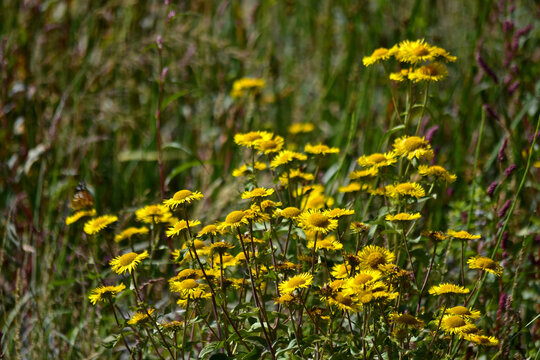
186, 273
376, 158
252, 137
453, 322
430, 70
290, 212
460, 310
189, 284
234, 217
345, 300
404, 188
413, 143
420, 50
486, 263
181, 195
296, 282
258, 192
482, 339
268, 145
375, 259
365, 297
362, 279
319, 220
127, 259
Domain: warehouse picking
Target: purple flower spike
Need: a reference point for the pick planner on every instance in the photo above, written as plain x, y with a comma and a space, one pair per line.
500, 156
504, 209
491, 188
509, 170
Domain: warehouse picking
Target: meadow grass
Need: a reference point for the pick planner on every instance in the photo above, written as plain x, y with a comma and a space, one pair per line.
81, 83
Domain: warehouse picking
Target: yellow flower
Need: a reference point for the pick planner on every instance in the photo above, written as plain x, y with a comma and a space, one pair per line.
301, 128
181, 225
438, 172
337, 212
463, 235
400, 76
402, 217
187, 274
245, 86
287, 266
377, 55
343, 302
429, 72
378, 191
251, 138
208, 230
372, 256
154, 214
94, 226
405, 189
341, 271
225, 260
234, 220
447, 288
295, 175
269, 205
464, 312
353, 187
358, 227
413, 52
103, 293
482, 339
290, 212
413, 147
194, 295
317, 221
316, 198
330, 243
362, 279
435, 236
405, 320
172, 326
269, 146
296, 282
129, 232
244, 170
284, 299
377, 160
486, 264
185, 287
257, 193
320, 149
127, 262
140, 316
441, 53
286, 157
369, 172
182, 197
453, 324
220, 247
255, 214
79, 215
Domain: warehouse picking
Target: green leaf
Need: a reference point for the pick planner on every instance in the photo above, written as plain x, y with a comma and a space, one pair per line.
169, 99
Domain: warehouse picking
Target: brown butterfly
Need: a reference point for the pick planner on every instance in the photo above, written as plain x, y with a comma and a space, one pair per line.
82, 198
